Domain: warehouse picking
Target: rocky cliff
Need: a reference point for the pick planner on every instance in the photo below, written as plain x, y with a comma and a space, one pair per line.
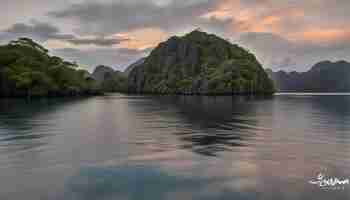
133, 65
199, 63
100, 72
110, 80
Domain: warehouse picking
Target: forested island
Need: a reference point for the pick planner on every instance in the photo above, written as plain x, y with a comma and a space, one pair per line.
27, 70
197, 63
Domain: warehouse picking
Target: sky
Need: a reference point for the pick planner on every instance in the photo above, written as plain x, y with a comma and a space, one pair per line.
289, 35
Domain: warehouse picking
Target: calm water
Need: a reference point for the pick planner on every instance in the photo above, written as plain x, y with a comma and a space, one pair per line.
135, 147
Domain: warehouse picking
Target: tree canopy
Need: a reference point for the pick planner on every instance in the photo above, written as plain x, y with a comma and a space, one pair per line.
26, 69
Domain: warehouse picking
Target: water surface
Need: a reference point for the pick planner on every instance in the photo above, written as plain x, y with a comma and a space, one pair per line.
142, 147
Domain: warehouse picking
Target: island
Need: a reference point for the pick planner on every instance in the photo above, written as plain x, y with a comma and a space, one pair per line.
202, 64
27, 70
325, 76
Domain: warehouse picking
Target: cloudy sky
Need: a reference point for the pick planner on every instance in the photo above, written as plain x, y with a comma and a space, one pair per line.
284, 34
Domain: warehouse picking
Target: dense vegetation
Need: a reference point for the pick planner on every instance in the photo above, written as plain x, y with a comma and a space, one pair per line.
26, 69
325, 76
199, 63
109, 80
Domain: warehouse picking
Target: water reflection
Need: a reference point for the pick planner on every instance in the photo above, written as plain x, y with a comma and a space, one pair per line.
141, 147
25, 124
206, 125
145, 182
128, 182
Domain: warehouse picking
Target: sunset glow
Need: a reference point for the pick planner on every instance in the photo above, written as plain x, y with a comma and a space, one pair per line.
115, 26
150, 38
323, 36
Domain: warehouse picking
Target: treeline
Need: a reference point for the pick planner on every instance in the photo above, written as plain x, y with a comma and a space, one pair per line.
26, 69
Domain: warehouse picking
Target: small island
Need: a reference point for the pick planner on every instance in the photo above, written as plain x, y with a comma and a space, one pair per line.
27, 70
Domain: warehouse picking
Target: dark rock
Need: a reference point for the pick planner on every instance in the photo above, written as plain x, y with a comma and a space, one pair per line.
100, 72
324, 76
132, 66
110, 80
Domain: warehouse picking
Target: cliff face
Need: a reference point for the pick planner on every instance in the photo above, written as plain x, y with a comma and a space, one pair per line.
100, 72
132, 66
199, 63
325, 76
109, 80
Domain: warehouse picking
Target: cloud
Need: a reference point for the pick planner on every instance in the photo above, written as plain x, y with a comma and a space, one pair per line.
217, 25
288, 34
324, 36
121, 16
43, 32
143, 38
288, 18
277, 52
118, 58
97, 41
39, 30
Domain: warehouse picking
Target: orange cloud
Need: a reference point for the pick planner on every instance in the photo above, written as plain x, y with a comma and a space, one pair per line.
266, 24
258, 17
143, 38
292, 21
322, 35
270, 20
218, 14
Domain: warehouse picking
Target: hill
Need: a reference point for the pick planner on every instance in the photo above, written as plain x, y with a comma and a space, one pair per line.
100, 72
109, 80
199, 63
26, 69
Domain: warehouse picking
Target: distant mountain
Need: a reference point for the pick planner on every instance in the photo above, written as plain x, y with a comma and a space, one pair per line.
325, 76
100, 72
199, 63
110, 80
